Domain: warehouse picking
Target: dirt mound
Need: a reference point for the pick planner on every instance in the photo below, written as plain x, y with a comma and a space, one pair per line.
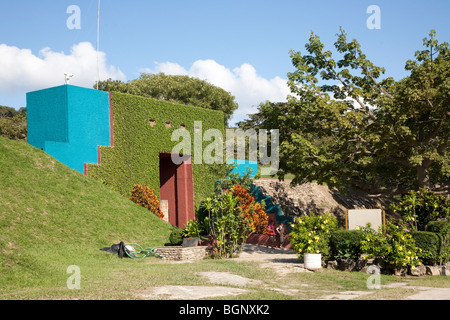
312, 197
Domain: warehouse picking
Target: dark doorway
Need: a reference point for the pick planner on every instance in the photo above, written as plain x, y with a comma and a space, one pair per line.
177, 188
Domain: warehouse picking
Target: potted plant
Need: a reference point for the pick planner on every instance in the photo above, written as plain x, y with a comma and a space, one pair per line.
312, 257
310, 237
191, 234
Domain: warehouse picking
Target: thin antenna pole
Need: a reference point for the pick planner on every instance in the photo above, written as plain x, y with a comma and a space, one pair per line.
98, 41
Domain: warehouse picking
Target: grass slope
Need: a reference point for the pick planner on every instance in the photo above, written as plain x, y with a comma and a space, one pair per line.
52, 217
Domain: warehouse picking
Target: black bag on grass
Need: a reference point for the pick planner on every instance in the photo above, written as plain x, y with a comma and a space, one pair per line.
120, 249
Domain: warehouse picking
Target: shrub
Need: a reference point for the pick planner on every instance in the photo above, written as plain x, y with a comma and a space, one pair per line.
13, 123
225, 224
146, 197
192, 229
346, 244
176, 236
311, 234
430, 245
418, 208
393, 244
442, 229
252, 210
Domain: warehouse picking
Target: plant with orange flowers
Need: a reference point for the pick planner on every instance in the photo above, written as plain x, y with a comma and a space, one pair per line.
146, 197
252, 211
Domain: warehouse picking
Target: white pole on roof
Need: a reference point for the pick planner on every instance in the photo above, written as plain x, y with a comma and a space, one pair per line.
98, 41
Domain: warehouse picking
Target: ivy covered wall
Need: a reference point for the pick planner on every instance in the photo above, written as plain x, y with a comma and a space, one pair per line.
142, 129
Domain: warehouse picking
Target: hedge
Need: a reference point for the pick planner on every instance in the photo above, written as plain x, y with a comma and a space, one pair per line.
141, 134
346, 241
430, 244
434, 243
442, 229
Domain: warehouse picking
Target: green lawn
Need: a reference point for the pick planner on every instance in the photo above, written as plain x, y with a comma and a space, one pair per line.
52, 217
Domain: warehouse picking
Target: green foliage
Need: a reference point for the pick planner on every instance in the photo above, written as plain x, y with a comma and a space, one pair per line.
311, 234
134, 159
430, 245
176, 236
180, 89
348, 126
346, 244
226, 224
393, 244
419, 208
442, 229
192, 229
13, 123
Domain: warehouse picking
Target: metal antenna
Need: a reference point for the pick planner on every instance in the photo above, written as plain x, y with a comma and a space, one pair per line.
98, 41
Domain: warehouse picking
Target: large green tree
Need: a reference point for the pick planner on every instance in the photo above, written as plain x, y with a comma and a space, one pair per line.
182, 89
348, 126
13, 123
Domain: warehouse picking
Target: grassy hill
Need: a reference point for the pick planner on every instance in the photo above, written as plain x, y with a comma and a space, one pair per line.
52, 217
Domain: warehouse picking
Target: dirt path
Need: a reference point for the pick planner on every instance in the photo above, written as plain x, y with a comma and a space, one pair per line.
283, 262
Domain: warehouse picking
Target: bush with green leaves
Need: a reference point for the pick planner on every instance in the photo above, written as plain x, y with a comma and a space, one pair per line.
311, 234
192, 229
226, 224
176, 236
346, 244
13, 123
418, 208
430, 245
392, 243
442, 229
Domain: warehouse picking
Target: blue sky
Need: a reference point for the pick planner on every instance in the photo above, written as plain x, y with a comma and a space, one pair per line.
242, 46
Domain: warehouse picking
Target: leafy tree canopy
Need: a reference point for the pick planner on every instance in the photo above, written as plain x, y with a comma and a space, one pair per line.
181, 89
13, 123
348, 126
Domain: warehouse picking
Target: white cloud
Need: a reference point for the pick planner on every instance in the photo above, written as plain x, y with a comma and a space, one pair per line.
249, 88
21, 70
169, 68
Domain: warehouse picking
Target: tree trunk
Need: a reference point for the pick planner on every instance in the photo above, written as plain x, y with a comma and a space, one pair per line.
423, 176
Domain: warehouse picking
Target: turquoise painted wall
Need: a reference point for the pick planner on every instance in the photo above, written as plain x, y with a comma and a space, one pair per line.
47, 116
243, 166
68, 123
